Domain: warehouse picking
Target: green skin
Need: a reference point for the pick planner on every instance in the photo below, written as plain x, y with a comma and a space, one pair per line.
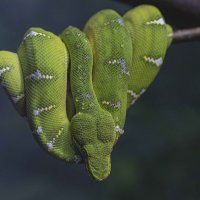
92, 127
148, 33
11, 78
44, 62
111, 65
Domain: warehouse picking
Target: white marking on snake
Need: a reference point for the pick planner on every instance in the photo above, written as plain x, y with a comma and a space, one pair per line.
38, 111
85, 96
116, 19
121, 22
158, 62
39, 130
135, 95
118, 129
159, 21
51, 143
122, 63
37, 75
111, 104
18, 98
34, 34
3, 70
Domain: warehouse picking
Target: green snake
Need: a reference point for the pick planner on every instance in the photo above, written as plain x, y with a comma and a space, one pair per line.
99, 72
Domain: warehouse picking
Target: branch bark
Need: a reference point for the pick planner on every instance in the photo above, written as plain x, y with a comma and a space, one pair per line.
186, 35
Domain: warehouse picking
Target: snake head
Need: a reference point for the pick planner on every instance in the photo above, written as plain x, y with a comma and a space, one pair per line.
98, 160
94, 134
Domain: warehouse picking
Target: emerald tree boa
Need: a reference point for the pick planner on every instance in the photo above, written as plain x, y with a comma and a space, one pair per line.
108, 66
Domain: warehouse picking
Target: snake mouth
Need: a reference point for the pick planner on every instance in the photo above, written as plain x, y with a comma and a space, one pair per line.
98, 160
99, 167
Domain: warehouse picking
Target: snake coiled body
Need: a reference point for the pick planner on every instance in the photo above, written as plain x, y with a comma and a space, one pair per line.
109, 66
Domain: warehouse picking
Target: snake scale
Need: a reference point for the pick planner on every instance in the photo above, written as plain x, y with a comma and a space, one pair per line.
105, 68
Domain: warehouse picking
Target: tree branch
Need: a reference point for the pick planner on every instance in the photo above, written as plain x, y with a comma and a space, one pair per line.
186, 35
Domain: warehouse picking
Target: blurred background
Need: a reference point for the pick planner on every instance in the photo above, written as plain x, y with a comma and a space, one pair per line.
157, 157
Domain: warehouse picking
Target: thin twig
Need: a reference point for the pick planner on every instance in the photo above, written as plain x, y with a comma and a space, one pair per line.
186, 35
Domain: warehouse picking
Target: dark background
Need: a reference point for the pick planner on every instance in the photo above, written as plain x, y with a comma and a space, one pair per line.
157, 157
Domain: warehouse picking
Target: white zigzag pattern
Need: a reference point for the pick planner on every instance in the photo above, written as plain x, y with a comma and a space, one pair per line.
160, 21
158, 62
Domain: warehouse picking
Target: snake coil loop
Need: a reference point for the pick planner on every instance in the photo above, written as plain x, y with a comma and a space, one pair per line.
109, 66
